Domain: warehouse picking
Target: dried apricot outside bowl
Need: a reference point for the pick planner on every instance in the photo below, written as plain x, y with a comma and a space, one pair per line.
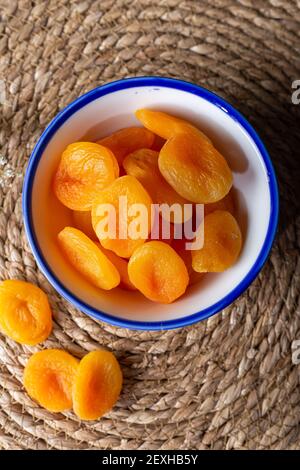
97, 385
48, 378
25, 314
101, 113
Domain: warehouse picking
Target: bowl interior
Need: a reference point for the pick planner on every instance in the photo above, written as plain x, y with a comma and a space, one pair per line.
114, 111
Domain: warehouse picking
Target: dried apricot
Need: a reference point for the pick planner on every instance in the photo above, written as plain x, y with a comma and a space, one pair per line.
122, 266
222, 243
97, 385
165, 125
225, 204
25, 314
130, 228
87, 258
85, 168
48, 378
127, 140
158, 272
83, 221
143, 164
195, 169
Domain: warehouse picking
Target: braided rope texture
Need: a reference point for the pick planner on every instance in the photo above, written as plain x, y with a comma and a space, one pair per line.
225, 383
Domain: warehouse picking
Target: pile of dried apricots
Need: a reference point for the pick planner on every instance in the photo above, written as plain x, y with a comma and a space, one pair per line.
168, 161
53, 377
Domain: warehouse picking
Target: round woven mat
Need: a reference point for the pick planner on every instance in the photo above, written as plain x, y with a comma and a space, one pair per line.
228, 382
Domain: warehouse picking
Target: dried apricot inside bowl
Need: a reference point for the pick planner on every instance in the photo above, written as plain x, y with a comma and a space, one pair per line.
25, 314
195, 169
222, 243
158, 272
127, 226
48, 378
165, 125
143, 165
124, 196
87, 258
84, 169
127, 140
97, 385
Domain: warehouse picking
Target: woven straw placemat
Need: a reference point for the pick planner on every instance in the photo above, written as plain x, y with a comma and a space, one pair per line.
228, 382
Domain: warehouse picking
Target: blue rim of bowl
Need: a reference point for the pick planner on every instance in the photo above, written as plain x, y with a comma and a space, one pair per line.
155, 82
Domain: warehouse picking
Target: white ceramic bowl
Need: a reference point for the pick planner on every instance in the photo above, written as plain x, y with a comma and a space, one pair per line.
109, 108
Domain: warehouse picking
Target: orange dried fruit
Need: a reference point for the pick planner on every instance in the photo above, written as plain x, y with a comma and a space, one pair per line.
25, 314
143, 165
127, 140
122, 266
85, 168
97, 385
195, 169
165, 125
83, 221
158, 272
48, 378
87, 258
225, 204
122, 196
222, 243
